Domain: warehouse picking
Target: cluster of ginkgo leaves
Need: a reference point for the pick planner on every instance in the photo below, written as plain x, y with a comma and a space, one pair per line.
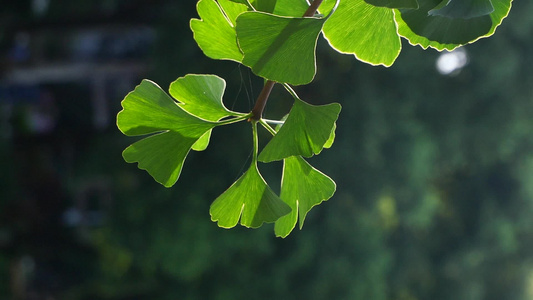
277, 40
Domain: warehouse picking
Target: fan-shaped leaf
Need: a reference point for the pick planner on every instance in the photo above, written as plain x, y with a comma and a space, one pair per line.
249, 199
302, 187
147, 110
364, 30
440, 32
201, 95
306, 131
215, 32
281, 49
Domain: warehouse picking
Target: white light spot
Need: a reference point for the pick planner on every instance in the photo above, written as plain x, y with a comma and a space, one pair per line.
451, 63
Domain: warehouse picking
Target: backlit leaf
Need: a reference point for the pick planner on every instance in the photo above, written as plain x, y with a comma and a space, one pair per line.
149, 110
249, 199
202, 143
215, 32
302, 187
394, 3
281, 49
290, 8
440, 32
306, 131
264, 5
364, 30
201, 95
465, 9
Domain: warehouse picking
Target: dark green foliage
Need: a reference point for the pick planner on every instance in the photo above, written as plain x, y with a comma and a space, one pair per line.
434, 177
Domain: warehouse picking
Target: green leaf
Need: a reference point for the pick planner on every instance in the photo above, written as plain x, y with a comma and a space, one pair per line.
148, 110
202, 143
302, 187
440, 32
366, 31
245, 2
281, 49
162, 155
249, 198
463, 9
201, 95
215, 32
264, 5
331, 138
290, 8
394, 3
306, 131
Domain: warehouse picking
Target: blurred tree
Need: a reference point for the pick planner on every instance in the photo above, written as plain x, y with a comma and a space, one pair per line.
434, 172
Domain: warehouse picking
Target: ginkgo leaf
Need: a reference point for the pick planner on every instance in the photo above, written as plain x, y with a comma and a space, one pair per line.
249, 199
280, 49
246, 2
149, 110
290, 8
364, 30
441, 32
306, 131
264, 5
331, 139
201, 95
302, 187
462, 9
394, 3
215, 32
202, 143
161, 155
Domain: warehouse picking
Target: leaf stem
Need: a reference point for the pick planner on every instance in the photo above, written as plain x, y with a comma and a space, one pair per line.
267, 127
260, 103
256, 141
233, 120
291, 91
275, 122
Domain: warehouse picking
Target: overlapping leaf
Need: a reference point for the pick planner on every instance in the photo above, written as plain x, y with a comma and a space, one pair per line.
149, 110
278, 48
249, 199
215, 32
264, 5
307, 130
302, 187
463, 9
433, 26
394, 3
201, 95
290, 8
364, 30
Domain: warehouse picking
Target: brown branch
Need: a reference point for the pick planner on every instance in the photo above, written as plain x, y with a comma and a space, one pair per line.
260, 103
312, 8
257, 112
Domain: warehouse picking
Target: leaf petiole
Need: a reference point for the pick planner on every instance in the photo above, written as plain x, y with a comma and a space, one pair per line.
233, 120
291, 91
275, 122
267, 126
255, 141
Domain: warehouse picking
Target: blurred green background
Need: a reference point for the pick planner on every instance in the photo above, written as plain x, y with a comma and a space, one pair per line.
433, 162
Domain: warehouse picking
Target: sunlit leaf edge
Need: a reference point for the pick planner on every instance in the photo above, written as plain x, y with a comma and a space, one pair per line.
497, 21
